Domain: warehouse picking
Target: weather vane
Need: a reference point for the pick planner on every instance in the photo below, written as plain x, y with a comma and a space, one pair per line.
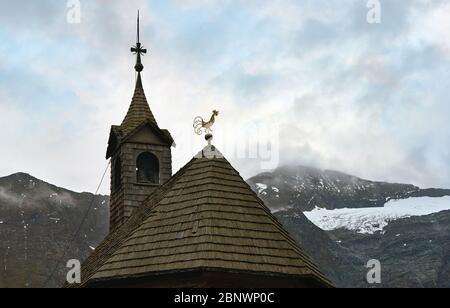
138, 50
201, 126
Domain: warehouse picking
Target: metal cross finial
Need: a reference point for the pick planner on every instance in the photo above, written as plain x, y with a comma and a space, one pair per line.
138, 50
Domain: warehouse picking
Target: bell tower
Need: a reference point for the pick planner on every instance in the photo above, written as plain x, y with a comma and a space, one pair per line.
139, 150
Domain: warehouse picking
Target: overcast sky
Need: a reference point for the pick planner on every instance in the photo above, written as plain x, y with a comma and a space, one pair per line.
331, 89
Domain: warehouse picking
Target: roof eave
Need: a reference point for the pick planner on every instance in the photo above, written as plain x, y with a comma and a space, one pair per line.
312, 280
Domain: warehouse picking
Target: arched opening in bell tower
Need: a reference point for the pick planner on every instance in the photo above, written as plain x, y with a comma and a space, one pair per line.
147, 168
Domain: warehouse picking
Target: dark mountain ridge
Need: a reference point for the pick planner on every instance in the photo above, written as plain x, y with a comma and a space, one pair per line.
37, 223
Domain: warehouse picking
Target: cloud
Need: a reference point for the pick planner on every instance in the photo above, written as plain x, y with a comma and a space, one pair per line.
346, 94
8, 198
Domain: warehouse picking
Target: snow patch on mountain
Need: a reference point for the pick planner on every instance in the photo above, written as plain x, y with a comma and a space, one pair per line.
261, 188
371, 220
283, 209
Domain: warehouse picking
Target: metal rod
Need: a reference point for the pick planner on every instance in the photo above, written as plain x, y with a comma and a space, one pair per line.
138, 28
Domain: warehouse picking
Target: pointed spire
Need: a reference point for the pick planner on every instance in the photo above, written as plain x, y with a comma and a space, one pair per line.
139, 110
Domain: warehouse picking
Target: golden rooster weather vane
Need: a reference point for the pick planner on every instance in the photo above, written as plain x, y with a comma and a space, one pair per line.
200, 124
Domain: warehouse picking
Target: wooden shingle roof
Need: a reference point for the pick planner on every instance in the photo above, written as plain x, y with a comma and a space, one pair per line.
139, 110
205, 217
138, 116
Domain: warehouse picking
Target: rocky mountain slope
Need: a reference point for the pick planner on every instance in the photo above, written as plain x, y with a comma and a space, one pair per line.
341, 265
37, 221
413, 250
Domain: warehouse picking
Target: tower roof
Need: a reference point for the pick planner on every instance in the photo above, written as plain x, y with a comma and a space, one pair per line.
205, 217
139, 110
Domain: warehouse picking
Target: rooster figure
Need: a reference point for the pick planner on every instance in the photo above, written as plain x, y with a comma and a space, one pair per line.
200, 124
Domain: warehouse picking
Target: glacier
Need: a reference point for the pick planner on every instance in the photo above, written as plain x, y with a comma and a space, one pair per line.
375, 219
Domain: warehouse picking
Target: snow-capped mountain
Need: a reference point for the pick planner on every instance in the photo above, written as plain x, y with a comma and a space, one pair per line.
306, 188
403, 226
